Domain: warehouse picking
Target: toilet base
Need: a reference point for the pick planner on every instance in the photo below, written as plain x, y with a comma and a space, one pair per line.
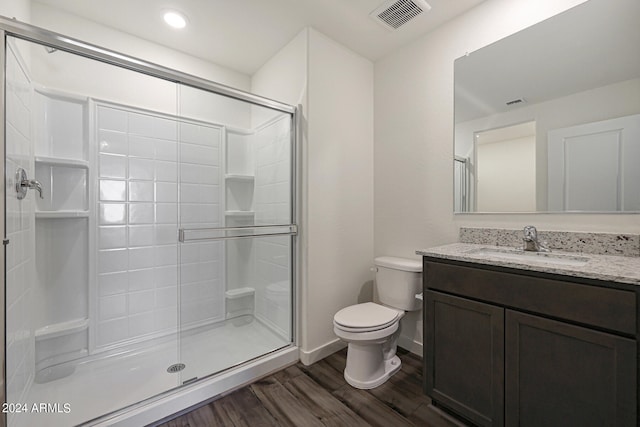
391, 366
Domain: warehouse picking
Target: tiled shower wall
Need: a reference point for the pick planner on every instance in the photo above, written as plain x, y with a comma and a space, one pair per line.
201, 274
20, 226
273, 206
140, 157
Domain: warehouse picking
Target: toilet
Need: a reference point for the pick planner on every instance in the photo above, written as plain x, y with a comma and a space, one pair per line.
372, 329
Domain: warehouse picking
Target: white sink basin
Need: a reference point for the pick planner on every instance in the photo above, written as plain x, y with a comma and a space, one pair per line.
535, 257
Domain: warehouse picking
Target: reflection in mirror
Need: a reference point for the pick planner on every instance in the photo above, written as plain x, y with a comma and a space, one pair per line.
548, 119
505, 161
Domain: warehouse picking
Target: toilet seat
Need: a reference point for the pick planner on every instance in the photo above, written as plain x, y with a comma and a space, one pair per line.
366, 317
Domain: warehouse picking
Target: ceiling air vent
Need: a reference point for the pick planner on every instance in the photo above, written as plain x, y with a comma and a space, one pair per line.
395, 13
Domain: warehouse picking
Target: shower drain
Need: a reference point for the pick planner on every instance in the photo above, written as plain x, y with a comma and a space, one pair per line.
177, 367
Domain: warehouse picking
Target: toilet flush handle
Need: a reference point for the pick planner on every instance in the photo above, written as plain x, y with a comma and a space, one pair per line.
374, 269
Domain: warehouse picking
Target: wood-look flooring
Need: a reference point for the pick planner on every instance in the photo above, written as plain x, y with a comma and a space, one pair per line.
318, 395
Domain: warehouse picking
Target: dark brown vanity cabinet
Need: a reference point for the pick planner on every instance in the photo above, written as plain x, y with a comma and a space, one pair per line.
529, 349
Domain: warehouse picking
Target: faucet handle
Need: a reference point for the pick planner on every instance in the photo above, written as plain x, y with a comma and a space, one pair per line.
530, 233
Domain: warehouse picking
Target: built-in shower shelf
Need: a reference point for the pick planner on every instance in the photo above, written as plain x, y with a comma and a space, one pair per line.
238, 177
240, 213
62, 329
67, 163
61, 214
239, 293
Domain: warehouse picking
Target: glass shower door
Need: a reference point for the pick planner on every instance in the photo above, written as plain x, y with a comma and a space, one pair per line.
236, 232
149, 231
91, 274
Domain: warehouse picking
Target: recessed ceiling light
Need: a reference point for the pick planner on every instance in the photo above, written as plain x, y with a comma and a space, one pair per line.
175, 19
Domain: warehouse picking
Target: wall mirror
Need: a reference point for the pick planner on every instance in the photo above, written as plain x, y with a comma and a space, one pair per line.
548, 119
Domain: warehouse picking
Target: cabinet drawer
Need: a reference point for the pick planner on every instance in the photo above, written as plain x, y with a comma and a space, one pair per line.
606, 308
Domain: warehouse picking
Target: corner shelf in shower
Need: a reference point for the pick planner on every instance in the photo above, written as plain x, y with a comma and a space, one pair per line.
240, 213
239, 177
67, 163
62, 329
61, 214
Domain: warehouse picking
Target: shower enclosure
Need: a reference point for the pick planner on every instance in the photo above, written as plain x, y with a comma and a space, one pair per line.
149, 234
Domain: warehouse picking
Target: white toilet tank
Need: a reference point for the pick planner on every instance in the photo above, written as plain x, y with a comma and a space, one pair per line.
398, 280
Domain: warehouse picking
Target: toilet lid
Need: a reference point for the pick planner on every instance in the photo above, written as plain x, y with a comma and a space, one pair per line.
366, 315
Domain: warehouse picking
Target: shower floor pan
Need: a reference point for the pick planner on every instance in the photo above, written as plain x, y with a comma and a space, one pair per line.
101, 386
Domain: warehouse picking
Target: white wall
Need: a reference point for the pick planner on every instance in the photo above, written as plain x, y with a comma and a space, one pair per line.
414, 140
18, 9
340, 185
91, 32
337, 177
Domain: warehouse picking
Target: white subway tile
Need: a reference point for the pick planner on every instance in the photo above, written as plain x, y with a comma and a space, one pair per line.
166, 192
112, 283
141, 301
189, 273
141, 235
113, 142
112, 237
166, 276
166, 255
112, 119
143, 169
166, 150
113, 331
189, 252
113, 166
112, 260
141, 279
140, 258
141, 213
166, 297
141, 191
167, 318
155, 127
166, 171
111, 190
140, 146
113, 213
166, 213
166, 234
141, 324
113, 306
190, 193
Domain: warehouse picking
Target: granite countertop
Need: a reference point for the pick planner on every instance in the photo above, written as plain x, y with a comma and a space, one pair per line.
621, 269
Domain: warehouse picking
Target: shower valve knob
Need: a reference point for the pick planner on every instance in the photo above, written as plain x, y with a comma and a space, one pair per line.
23, 183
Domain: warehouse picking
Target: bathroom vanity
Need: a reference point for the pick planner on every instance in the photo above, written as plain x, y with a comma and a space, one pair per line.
514, 339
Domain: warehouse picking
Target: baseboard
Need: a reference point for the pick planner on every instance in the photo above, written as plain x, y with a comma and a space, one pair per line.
411, 345
312, 356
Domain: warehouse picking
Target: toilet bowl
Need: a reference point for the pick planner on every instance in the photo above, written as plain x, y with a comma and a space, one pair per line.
371, 330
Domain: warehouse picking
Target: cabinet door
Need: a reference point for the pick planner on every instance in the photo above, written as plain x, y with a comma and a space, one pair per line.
559, 374
464, 347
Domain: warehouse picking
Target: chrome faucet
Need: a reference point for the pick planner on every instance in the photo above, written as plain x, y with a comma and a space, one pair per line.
23, 183
531, 242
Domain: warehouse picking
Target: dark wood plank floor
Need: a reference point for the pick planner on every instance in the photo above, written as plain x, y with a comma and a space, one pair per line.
318, 395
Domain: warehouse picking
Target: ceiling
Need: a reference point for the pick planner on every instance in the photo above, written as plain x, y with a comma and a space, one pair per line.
244, 34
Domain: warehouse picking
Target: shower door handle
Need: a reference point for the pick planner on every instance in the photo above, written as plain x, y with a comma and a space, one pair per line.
186, 235
23, 183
